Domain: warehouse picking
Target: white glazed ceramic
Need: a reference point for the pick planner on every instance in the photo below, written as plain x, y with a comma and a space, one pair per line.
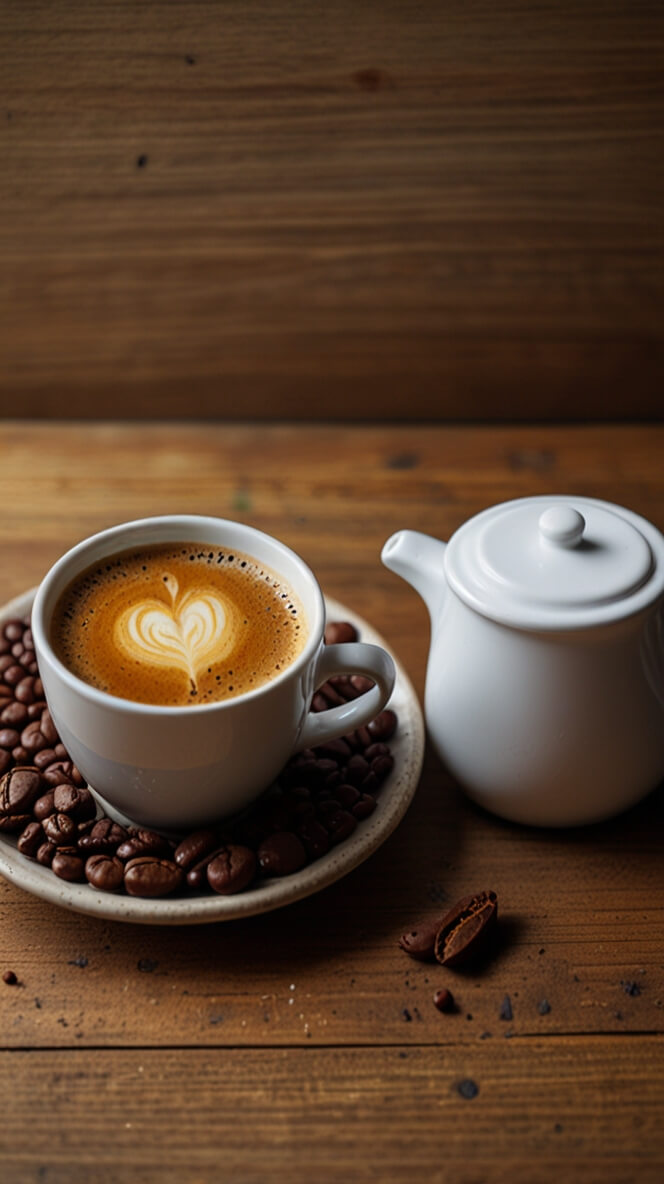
175, 767
545, 683
194, 908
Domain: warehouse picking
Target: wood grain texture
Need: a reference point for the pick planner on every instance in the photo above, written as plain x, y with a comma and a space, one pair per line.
283, 210
543, 1112
304, 1044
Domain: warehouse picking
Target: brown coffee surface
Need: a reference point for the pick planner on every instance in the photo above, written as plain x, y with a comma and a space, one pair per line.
178, 624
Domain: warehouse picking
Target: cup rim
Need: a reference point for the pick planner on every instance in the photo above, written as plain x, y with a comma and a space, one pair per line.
75, 558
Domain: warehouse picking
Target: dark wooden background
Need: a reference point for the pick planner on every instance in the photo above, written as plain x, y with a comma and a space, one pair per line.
445, 209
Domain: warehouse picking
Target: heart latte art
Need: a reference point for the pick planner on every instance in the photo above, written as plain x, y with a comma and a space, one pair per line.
178, 624
189, 634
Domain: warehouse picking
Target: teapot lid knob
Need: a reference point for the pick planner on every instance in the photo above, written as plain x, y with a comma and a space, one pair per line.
562, 525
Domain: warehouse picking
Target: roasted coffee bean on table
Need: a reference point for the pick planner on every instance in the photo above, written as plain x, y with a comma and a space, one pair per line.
316, 803
457, 937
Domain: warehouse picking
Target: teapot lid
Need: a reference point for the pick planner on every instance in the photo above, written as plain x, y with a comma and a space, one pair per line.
556, 562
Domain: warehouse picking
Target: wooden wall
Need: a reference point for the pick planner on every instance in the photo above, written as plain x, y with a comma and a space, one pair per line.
446, 209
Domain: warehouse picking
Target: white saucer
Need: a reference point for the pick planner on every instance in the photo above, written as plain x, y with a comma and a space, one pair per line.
407, 747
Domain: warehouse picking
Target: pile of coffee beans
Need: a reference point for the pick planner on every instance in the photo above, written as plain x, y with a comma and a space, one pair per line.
316, 803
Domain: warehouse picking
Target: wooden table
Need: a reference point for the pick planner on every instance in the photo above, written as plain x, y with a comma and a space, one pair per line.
303, 1044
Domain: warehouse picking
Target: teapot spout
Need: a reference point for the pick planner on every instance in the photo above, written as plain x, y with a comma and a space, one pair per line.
418, 559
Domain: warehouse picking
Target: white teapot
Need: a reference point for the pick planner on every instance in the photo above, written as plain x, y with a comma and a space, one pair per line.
545, 684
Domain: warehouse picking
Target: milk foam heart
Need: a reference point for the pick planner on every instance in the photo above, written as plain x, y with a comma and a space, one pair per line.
178, 624
194, 631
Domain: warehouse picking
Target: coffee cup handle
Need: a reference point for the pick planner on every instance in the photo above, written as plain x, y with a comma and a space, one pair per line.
353, 657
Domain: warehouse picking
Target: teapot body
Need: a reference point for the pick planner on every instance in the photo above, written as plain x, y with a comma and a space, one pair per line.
547, 728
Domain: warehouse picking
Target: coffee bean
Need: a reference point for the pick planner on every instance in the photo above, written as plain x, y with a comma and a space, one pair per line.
340, 825
381, 767
344, 686
61, 771
28, 640
420, 942
364, 807
13, 673
60, 829
26, 689
465, 929
232, 870
277, 814
13, 629
314, 836
74, 800
322, 769
346, 795
326, 806
105, 872
19, 790
45, 853
44, 806
339, 631
5, 760
44, 758
48, 728
443, 999
9, 738
194, 847
9, 977
68, 865
356, 769
149, 876
376, 748
14, 715
197, 874
35, 709
103, 839
359, 739
383, 726
32, 738
21, 755
331, 695
145, 842
281, 854
11, 824
337, 750
31, 839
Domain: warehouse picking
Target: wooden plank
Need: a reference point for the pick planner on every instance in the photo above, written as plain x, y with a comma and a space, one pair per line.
544, 1110
238, 212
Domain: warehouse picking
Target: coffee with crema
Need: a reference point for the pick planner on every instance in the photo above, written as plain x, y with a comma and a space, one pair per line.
177, 624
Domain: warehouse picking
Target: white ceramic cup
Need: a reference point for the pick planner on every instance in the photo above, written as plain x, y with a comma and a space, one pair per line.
177, 767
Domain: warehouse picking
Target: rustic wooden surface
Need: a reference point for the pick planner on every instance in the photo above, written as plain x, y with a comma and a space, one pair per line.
303, 1044
283, 210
